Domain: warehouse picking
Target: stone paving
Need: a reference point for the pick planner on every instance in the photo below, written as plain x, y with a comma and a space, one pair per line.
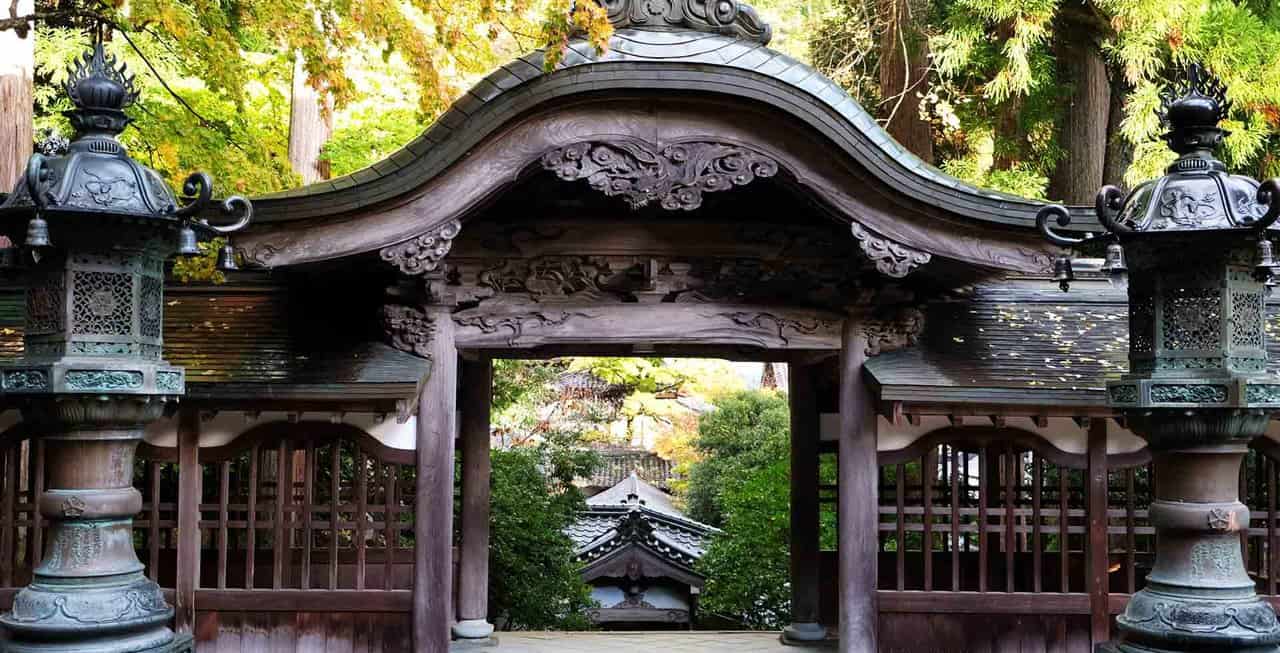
638, 642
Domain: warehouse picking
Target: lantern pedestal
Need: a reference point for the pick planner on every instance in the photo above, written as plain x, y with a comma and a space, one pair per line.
1198, 597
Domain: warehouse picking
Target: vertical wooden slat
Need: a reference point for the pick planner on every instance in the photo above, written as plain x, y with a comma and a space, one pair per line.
362, 515
153, 528
1098, 558
1244, 498
308, 497
11, 507
251, 526
955, 520
37, 537
1011, 463
928, 469
1272, 576
1064, 528
6, 521
391, 524
335, 494
189, 495
1130, 539
900, 487
983, 483
224, 500
284, 492
1037, 477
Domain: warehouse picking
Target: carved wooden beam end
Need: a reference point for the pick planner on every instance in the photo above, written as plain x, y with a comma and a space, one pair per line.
892, 259
892, 332
425, 252
408, 329
676, 176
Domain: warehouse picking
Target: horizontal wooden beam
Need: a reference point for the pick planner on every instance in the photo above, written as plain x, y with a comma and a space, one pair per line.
1028, 603
646, 327
305, 600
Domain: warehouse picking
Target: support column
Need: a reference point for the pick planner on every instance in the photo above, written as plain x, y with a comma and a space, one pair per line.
473, 572
859, 518
189, 492
805, 524
433, 525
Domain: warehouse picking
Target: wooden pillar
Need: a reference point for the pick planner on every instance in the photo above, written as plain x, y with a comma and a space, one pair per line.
189, 490
1098, 558
473, 572
805, 524
859, 505
433, 508
16, 105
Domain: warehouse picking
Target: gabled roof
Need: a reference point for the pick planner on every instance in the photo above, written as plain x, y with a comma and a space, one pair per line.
636, 514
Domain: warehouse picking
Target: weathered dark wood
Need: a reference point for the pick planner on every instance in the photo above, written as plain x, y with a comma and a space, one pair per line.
335, 500
37, 536
1130, 541
1098, 559
956, 458
308, 501
284, 492
153, 525
984, 498
900, 490
928, 469
473, 566
1011, 465
289, 600
1273, 574
362, 515
189, 491
433, 518
224, 498
390, 517
983, 603
251, 539
1037, 555
8, 518
858, 509
1064, 530
973, 437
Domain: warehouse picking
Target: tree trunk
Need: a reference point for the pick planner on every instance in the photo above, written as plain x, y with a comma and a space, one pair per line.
1010, 137
310, 124
1084, 127
1119, 150
16, 63
904, 67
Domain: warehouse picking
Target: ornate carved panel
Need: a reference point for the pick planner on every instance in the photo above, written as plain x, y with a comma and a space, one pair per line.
409, 329
716, 16
675, 176
893, 332
424, 252
891, 258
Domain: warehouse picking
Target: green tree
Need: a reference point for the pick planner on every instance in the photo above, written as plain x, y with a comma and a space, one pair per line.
534, 583
747, 431
747, 566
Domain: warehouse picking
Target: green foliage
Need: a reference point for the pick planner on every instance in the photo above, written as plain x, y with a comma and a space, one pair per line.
747, 566
534, 582
371, 136
747, 431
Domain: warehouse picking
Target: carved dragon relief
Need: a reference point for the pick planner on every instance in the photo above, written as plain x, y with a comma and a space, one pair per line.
409, 329
781, 326
675, 176
425, 252
893, 332
516, 323
892, 259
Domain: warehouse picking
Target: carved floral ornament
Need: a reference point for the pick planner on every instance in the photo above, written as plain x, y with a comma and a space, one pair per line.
729, 17
892, 259
675, 176
425, 252
409, 329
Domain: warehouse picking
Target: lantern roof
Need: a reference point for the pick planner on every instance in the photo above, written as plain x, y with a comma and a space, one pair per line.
1197, 193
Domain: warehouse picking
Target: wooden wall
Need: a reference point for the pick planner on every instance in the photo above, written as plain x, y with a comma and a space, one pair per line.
231, 631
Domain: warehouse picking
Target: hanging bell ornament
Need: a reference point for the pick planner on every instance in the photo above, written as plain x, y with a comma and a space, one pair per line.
1114, 264
1062, 272
37, 233
187, 242
227, 258
1266, 265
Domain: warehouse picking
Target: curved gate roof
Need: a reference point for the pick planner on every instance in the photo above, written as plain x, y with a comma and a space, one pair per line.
678, 59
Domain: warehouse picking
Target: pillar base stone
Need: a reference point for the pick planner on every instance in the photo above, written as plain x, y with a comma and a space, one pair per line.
804, 634
472, 629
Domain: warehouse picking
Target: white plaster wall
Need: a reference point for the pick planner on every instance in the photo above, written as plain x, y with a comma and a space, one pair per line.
1062, 432
227, 426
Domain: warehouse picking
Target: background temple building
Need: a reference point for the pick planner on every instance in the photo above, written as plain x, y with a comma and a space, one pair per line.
689, 193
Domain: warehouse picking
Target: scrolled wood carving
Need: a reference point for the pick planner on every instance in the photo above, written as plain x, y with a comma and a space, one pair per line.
516, 323
676, 176
780, 325
409, 329
893, 332
892, 259
424, 252
729, 17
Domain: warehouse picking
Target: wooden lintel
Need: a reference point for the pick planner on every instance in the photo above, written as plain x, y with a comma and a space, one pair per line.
542, 325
